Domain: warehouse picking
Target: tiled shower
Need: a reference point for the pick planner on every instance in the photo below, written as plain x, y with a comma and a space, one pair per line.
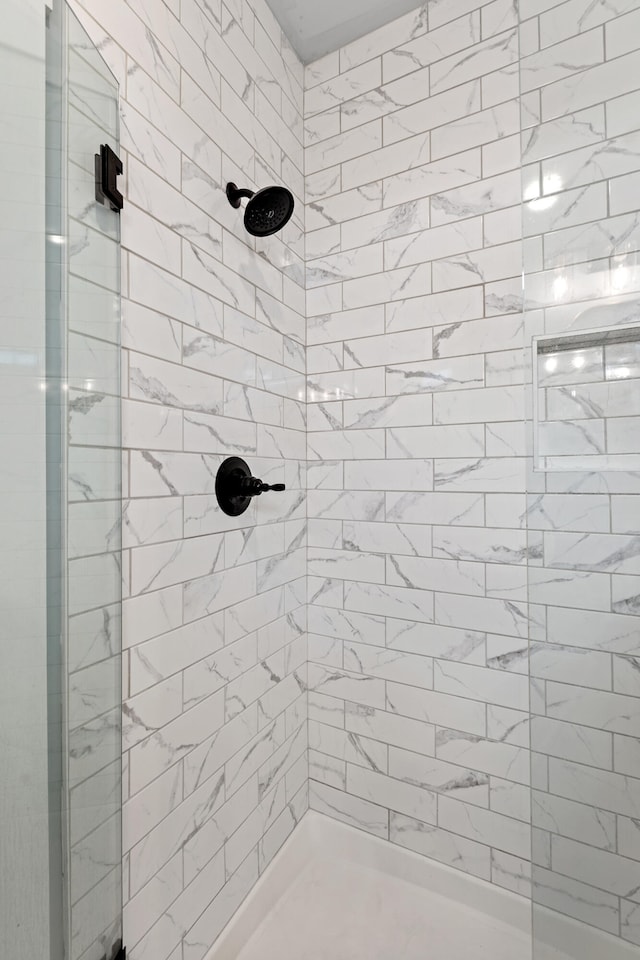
431, 635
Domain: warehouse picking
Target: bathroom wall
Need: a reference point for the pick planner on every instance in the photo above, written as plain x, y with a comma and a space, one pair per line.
418, 723
581, 163
420, 491
417, 541
24, 807
215, 771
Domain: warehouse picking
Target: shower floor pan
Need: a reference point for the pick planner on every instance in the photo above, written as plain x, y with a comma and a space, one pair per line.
337, 893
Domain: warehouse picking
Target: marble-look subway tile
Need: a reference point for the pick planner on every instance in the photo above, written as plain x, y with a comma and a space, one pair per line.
559, 22
433, 111
344, 87
562, 59
612, 712
436, 574
495, 616
345, 147
453, 508
436, 641
351, 810
440, 241
412, 24
348, 746
413, 281
432, 46
484, 826
582, 862
389, 792
574, 820
386, 161
578, 900
584, 89
435, 375
346, 625
431, 841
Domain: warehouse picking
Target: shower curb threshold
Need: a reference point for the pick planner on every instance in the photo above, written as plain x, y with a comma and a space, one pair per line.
320, 836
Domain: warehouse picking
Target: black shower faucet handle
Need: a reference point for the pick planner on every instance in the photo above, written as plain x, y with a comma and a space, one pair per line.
252, 487
235, 487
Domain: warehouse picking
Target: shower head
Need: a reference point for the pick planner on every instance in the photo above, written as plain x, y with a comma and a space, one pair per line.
267, 210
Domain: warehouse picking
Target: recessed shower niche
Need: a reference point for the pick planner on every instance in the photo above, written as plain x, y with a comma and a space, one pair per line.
587, 400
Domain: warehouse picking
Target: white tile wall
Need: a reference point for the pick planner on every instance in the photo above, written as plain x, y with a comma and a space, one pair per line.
215, 709
580, 166
480, 554
408, 402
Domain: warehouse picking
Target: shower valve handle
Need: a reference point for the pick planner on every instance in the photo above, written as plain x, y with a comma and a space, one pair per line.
235, 487
252, 487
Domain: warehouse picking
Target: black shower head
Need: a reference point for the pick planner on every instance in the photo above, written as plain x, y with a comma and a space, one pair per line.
267, 210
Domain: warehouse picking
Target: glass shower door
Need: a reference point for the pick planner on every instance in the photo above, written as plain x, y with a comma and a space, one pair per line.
581, 215
24, 802
60, 489
92, 465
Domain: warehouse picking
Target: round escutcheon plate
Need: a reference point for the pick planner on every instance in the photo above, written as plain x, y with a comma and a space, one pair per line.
232, 500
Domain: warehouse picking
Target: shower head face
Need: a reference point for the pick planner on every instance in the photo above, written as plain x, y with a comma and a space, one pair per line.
268, 211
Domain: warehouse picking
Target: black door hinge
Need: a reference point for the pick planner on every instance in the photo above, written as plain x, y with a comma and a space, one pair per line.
108, 169
118, 953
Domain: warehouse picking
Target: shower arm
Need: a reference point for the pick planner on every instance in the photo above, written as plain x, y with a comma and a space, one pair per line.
235, 194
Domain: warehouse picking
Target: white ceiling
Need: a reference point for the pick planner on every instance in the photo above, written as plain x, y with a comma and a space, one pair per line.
316, 27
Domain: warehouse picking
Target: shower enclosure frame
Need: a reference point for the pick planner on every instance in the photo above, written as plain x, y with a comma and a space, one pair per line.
60, 360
